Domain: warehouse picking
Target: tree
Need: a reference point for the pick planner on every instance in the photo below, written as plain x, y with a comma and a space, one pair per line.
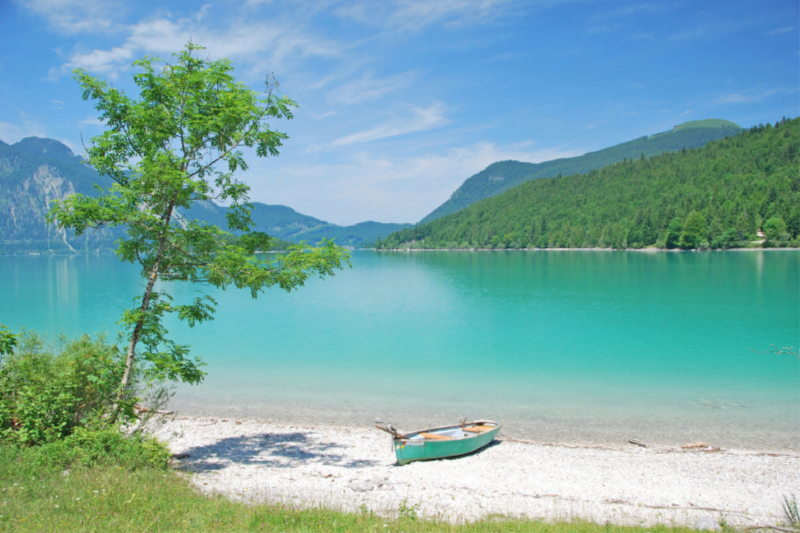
178, 144
673, 233
693, 230
773, 228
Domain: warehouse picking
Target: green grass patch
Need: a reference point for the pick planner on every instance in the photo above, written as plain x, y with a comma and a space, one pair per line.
37, 494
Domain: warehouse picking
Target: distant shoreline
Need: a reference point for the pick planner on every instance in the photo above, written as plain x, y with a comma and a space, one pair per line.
640, 250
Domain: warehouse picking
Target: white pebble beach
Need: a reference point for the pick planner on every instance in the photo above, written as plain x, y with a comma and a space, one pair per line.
353, 468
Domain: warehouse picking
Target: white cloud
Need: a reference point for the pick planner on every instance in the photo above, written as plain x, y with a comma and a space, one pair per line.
369, 88
77, 16
744, 98
414, 15
101, 61
735, 98
264, 44
327, 114
384, 187
422, 118
12, 133
92, 121
781, 30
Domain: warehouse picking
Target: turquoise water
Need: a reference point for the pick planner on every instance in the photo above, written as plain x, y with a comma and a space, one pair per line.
560, 345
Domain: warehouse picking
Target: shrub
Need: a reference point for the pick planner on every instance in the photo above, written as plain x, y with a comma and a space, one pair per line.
86, 448
48, 391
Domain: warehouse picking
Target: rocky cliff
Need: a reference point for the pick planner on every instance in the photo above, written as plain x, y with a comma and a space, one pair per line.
33, 173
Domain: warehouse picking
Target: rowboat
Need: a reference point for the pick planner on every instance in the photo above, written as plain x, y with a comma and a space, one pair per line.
439, 443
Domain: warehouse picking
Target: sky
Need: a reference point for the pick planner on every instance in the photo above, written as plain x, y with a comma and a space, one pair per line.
400, 101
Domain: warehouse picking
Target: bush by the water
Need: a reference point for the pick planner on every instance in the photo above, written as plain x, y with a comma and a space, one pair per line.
50, 390
54, 404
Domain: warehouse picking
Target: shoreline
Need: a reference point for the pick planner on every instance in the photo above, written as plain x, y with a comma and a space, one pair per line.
638, 250
353, 468
587, 428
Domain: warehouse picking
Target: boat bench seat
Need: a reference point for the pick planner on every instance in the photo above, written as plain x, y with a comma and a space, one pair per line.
479, 429
434, 436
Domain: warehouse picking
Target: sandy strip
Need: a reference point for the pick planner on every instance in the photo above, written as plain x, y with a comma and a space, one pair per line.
353, 468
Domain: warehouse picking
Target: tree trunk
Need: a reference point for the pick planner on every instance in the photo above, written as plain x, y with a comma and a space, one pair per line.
137, 329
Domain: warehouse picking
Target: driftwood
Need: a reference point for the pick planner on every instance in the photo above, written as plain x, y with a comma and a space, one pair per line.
695, 446
141, 409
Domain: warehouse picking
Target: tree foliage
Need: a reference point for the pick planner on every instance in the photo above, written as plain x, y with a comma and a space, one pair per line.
7, 341
179, 144
717, 196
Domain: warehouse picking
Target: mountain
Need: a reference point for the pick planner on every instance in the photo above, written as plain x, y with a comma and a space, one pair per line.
287, 224
358, 235
35, 171
504, 175
276, 220
720, 195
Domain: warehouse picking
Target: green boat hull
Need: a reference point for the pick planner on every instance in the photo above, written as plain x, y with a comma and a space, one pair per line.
408, 450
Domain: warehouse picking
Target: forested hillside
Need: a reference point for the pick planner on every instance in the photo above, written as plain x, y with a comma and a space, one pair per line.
504, 175
720, 196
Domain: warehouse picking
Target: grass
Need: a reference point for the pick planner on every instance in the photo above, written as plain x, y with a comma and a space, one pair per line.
108, 498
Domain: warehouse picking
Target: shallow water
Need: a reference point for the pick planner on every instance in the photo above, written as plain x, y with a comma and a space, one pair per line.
561, 345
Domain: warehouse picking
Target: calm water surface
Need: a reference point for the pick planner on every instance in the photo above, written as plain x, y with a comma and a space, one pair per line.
561, 346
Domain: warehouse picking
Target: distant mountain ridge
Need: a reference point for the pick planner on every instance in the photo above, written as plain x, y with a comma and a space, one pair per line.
503, 175
286, 223
35, 171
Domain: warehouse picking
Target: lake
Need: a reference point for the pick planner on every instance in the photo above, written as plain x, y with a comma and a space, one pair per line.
562, 346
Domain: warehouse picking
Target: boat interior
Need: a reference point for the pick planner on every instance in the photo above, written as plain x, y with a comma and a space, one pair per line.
454, 432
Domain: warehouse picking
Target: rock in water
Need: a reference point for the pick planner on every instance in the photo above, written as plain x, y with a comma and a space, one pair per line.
706, 523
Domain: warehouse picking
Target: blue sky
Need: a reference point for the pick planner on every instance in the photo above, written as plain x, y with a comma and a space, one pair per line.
402, 100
